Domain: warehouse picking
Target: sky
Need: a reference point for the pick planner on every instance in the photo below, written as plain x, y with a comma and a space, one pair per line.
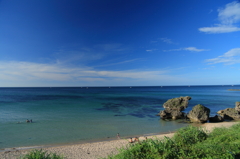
119, 42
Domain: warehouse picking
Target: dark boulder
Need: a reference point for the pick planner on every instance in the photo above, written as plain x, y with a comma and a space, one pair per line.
180, 103
229, 113
174, 107
171, 114
216, 118
237, 106
199, 114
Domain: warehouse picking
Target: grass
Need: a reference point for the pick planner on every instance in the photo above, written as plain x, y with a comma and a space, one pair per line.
187, 143
40, 154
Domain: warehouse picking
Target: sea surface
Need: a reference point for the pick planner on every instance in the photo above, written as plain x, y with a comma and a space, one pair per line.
63, 115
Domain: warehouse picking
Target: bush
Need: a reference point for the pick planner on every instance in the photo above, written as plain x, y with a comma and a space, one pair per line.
148, 149
40, 154
187, 143
189, 135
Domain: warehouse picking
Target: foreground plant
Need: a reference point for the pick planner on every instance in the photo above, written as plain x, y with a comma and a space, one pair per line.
40, 154
187, 143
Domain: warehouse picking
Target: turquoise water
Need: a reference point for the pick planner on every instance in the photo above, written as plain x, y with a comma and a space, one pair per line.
69, 115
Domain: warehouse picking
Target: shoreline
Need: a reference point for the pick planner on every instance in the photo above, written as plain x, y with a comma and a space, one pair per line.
97, 149
81, 142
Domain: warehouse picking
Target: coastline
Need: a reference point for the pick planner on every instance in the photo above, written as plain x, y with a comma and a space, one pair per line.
93, 150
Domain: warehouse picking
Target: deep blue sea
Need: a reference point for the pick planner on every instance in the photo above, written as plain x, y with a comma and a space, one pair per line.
64, 115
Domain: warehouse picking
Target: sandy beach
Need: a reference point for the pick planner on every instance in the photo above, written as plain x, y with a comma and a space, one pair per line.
96, 149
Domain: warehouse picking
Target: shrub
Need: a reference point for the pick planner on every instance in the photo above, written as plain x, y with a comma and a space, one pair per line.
189, 135
40, 154
148, 149
189, 142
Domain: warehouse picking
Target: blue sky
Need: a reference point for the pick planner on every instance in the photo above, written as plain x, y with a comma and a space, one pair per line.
119, 42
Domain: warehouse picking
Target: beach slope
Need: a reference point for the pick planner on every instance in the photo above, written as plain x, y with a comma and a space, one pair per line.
96, 149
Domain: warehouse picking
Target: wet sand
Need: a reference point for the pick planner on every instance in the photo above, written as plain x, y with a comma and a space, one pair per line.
96, 149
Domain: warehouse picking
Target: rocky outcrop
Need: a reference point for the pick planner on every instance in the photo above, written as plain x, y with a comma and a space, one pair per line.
174, 107
237, 106
229, 113
216, 118
199, 114
171, 114
180, 103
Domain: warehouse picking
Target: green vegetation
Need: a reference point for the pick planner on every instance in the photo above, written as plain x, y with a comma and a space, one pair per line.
187, 143
40, 154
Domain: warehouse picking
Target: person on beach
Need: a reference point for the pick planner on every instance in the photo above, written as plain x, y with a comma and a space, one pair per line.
130, 140
136, 139
118, 136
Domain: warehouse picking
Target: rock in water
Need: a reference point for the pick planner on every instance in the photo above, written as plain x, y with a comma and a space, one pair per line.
173, 108
199, 114
171, 114
216, 118
237, 106
180, 103
229, 113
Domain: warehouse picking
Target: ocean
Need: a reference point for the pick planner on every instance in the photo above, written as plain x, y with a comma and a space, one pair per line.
64, 115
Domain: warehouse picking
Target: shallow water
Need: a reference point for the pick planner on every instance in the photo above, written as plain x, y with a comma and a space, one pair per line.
67, 115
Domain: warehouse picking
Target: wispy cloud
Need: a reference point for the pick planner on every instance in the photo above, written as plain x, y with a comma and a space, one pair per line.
228, 17
115, 47
166, 40
229, 58
210, 11
85, 55
118, 63
18, 72
192, 49
150, 50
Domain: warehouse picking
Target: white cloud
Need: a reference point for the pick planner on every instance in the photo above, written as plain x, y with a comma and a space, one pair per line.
219, 29
192, 49
230, 57
150, 50
27, 72
230, 14
228, 17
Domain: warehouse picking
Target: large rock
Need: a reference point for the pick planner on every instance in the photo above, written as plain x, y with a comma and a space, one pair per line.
180, 103
237, 106
216, 118
229, 113
171, 114
199, 114
174, 107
